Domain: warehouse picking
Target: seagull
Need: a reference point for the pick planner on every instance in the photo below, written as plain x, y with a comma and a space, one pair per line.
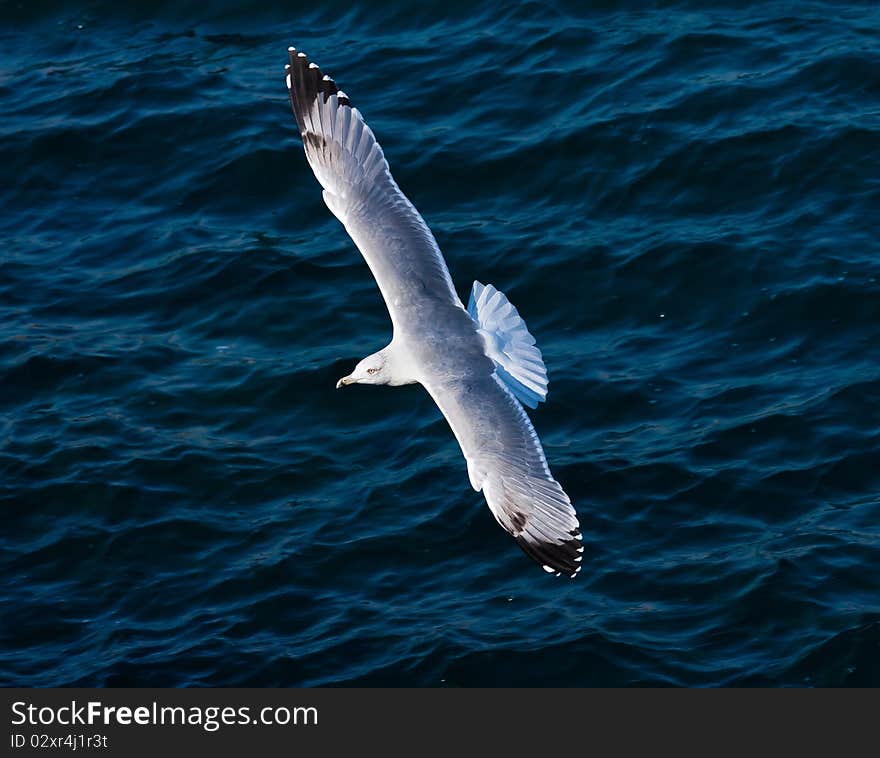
480, 364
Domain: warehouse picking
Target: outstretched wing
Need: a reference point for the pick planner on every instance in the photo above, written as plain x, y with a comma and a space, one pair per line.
358, 188
506, 461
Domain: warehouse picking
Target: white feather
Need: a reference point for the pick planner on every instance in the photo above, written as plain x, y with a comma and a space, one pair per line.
509, 344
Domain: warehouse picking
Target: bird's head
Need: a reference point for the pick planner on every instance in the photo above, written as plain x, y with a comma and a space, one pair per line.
371, 370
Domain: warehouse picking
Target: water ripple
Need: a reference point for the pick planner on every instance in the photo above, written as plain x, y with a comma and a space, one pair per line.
682, 202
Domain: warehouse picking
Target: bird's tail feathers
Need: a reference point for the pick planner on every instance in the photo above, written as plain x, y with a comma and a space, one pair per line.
509, 344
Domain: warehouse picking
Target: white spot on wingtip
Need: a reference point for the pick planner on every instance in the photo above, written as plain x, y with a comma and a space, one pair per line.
548, 569
581, 549
341, 94
287, 67
291, 49
313, 65
327, 78
288, 82
300, 55
579, 559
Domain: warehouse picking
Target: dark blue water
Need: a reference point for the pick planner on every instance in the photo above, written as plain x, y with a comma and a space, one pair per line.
683, 203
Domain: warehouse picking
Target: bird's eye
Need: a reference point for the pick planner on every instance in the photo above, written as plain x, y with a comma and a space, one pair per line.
372, 370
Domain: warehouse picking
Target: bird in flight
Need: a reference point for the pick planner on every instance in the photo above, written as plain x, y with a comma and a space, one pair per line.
479, 364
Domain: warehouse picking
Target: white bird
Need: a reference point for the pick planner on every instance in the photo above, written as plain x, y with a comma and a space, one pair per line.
478, 364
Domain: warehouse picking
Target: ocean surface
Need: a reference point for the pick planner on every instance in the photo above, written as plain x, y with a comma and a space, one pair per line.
682, 201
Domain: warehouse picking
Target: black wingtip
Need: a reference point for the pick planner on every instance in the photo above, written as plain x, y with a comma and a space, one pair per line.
305, 82
559, 558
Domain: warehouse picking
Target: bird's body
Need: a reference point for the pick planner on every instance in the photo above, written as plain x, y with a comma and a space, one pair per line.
477, 363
